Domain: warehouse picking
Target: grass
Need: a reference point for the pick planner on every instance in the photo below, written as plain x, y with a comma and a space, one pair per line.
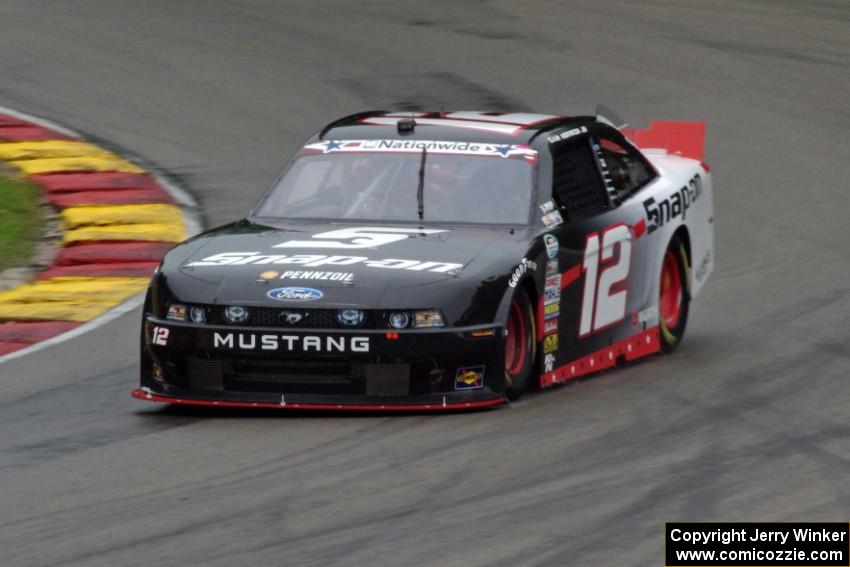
20, 222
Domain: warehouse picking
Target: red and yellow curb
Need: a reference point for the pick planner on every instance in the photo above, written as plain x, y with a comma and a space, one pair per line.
117, 219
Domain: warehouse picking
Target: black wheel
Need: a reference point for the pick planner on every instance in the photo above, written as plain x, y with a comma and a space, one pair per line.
520, 346
674, 298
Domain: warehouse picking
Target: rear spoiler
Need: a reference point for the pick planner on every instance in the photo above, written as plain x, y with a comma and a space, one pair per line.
686, 139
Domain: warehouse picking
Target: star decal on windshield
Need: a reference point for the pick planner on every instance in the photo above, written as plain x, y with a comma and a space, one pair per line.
332, 145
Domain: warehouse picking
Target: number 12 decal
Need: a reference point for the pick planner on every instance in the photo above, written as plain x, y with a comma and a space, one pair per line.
604, 298
160, 336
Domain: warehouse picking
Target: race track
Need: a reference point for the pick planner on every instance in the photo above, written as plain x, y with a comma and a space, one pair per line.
749, 420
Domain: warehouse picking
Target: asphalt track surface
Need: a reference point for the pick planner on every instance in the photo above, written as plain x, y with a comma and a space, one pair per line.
749, 420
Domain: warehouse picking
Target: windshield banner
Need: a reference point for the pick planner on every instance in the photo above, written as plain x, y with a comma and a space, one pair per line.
416, 146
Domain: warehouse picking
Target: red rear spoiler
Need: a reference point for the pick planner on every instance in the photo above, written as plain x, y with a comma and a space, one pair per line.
684, 138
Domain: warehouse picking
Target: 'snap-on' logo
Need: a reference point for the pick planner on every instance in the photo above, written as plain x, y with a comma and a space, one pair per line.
295, 294
677, 204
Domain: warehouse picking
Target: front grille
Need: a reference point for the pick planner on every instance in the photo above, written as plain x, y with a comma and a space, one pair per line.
309, 318
292, 318
294, 370
387, 379
329, 375
205, 373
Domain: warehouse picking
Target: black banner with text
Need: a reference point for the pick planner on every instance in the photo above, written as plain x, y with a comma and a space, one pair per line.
745, 544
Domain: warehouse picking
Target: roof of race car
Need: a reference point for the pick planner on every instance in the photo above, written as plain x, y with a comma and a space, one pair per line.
467, 126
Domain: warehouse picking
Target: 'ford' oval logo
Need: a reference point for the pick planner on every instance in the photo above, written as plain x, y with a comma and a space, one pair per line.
295, 294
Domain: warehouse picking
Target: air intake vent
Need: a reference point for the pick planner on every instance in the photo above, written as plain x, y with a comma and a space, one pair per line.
387, 379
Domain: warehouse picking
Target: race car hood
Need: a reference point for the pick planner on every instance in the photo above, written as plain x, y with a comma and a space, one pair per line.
343, 265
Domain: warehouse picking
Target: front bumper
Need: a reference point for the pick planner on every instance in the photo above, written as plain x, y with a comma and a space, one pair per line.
320, 368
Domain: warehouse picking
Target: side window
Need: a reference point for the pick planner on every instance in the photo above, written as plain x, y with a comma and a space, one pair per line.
577, 185
627, 171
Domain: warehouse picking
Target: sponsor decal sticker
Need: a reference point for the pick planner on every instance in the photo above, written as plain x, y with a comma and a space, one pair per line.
551, 246
317, 275
549, 363
469, 378
307, 275
552, 268
520, 270
552, 219
551, 295
317, 260
566, 135
547, 207
551, 302
416, 147
295, 294
550, 344
270, 342
660, 213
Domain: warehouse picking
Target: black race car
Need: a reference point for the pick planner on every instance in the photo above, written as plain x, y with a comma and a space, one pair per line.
437, 260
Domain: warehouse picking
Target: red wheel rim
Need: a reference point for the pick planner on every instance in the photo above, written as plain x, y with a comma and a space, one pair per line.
671, 291
515, 349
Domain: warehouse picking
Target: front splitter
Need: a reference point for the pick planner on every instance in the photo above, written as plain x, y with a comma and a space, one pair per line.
147, 395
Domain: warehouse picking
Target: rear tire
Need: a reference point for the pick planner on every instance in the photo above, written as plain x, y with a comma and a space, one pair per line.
520, 346
674, 296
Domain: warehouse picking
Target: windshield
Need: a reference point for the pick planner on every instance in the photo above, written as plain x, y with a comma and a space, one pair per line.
362, 180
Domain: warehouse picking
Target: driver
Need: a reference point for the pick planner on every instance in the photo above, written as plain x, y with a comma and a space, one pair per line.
493, 193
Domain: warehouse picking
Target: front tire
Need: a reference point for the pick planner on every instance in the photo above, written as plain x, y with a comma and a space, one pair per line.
674, 297
520, 346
